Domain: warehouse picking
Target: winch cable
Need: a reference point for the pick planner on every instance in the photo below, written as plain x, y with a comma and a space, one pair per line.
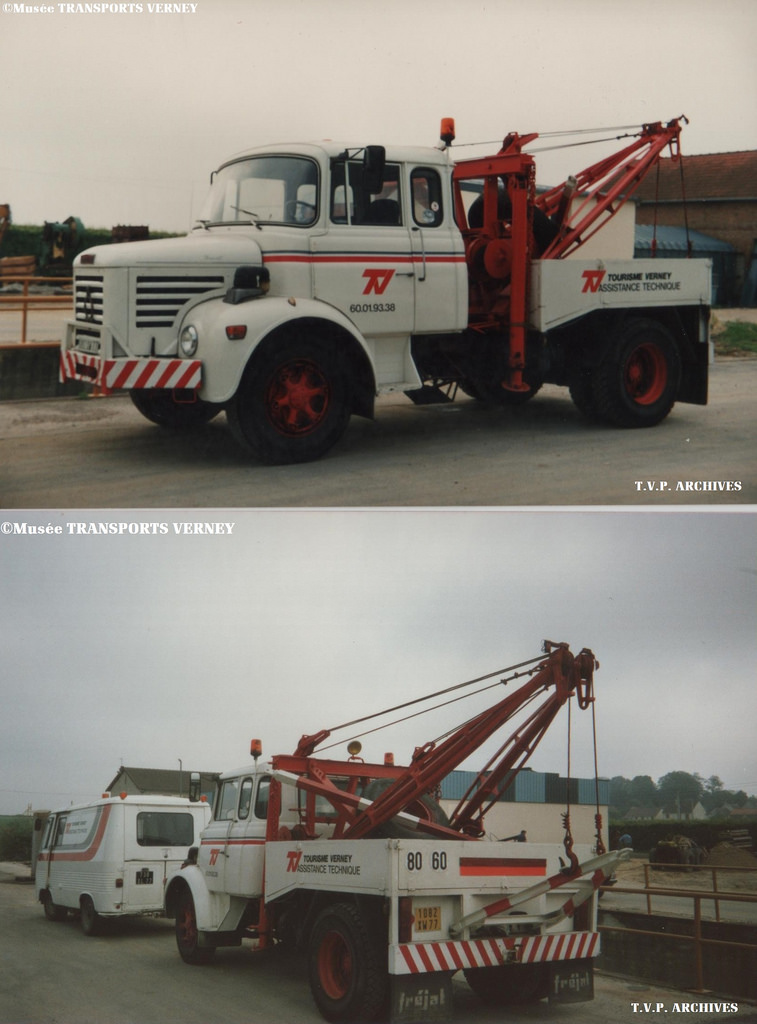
568, 840
510, 673
598, 814
630, 130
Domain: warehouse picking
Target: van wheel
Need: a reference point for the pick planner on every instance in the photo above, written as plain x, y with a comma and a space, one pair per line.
292, 402
90, 919
187, 936
52, 911
636, 384
159, 407
347, 978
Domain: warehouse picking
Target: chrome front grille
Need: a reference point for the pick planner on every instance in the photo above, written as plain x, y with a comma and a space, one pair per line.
88, 298
160, 297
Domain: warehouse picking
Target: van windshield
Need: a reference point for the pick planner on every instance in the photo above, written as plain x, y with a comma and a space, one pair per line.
264, 190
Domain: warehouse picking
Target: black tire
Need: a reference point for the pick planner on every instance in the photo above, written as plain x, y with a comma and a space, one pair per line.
90, 919
636, 383
160, 407
292, 404
187, 936
510, 983
347, 966
52, 911
581, 387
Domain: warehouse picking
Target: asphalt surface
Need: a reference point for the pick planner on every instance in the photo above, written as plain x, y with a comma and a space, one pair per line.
52, 973
100, 453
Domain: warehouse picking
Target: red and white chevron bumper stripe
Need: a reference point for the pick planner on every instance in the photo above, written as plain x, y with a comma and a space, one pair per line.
115, 374
423, 957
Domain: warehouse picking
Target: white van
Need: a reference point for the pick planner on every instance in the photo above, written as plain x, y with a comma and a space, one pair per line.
114, 856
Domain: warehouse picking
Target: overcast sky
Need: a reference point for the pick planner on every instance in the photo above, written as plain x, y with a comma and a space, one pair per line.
150, 649
120, 118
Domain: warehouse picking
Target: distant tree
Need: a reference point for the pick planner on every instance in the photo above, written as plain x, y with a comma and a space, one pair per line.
679, 790
644, 792
713, 784
620, 795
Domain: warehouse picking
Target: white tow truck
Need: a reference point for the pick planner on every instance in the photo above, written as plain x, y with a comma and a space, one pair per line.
323, 274
390, 896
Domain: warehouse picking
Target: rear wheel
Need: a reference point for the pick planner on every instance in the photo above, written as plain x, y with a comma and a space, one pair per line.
162, 408
90, 919
292, 402
636, 384
187, 936
348, 979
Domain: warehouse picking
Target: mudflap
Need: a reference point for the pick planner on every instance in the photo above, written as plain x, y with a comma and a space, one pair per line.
571, 981
420, 997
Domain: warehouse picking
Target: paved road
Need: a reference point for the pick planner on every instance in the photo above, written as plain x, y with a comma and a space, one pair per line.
52, 972
100, 453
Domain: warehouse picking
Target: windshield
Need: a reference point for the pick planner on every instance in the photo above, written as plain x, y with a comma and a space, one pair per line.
264, 189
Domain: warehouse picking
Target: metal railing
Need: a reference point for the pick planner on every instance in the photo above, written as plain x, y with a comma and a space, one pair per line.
697, 938
713, 869
25, 300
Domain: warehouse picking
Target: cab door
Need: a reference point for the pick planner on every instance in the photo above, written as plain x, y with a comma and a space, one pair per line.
441, 278
246, 840
363, 263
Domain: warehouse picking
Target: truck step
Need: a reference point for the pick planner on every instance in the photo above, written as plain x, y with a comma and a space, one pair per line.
428, 394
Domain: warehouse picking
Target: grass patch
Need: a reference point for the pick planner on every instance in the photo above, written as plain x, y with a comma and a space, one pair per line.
735, 338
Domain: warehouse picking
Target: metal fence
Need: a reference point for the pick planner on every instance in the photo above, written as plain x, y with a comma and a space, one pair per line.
25, 300
698, 940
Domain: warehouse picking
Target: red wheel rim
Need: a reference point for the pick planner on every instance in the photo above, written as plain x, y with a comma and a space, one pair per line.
297, 398
646, 374
335, 966
187, 927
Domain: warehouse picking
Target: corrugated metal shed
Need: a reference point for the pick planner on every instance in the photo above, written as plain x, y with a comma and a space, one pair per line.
673, 243
533, 788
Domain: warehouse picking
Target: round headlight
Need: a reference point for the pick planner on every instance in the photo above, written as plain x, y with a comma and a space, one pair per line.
188, 341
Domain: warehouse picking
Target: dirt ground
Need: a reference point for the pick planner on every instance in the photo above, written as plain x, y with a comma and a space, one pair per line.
723, 856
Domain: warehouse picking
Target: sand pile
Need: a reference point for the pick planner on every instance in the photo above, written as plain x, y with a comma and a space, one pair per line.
728, 856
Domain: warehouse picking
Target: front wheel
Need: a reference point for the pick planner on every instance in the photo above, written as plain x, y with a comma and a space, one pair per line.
636, 383
161, 407
292, 404
347, 978
52, 911
187, 935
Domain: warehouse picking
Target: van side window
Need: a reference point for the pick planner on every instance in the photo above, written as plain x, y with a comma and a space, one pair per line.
165, 828
426, 191
261, 800
227, 800
245, 800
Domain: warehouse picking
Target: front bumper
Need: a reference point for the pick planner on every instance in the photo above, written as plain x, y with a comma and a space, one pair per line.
115, 374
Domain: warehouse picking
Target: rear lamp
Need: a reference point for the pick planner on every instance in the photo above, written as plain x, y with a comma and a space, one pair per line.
88, 258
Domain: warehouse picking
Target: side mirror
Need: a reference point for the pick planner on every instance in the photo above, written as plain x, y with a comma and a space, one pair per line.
374, 161
194, 787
